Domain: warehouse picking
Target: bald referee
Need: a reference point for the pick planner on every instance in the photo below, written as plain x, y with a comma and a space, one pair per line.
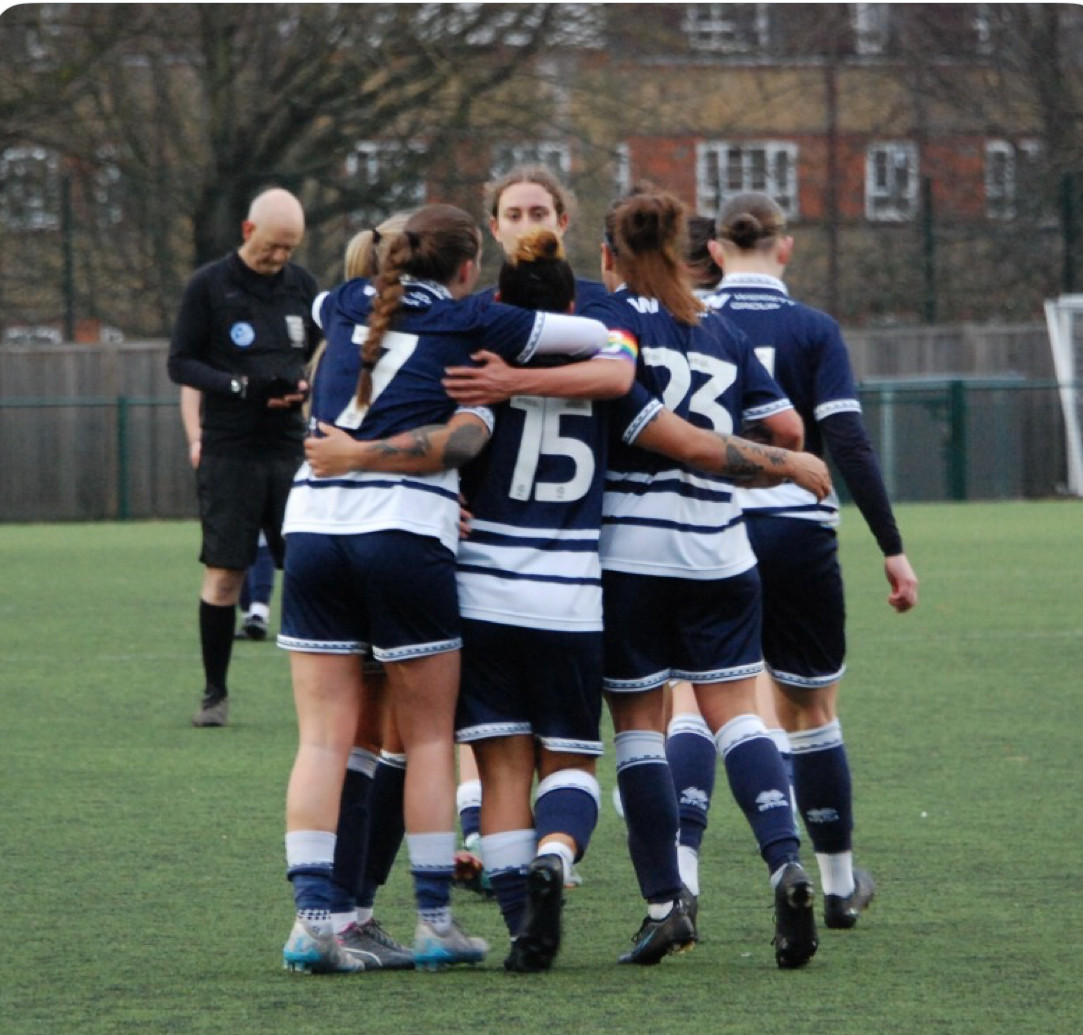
242, 336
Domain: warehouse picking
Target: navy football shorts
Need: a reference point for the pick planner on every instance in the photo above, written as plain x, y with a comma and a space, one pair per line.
657, 629
534, 682
804, 608
393, 592
239, 497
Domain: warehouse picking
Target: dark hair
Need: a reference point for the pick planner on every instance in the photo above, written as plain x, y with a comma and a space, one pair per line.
648, 233
537, 275
433, 245
563, 201
751, 220
705, 272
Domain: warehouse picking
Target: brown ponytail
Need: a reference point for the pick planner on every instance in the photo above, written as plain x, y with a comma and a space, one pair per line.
434, 243
648, 234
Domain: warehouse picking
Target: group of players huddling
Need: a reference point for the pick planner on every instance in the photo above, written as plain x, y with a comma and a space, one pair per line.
647, 451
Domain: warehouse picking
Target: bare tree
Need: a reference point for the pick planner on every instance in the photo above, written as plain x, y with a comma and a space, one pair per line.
192, 108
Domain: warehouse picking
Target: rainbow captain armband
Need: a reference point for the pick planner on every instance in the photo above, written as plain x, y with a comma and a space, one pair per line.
621, 345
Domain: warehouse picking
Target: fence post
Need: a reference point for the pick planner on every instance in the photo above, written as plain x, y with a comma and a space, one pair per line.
957, 445
124, 509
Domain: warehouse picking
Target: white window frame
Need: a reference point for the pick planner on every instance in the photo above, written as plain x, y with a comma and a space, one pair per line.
886, 200
622, 170
368, 158
1001, 192
725, 168
714, 29
872, 25
555, 156
30, 188
108, 187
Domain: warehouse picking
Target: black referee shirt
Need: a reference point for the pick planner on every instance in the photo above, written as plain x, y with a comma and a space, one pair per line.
232, 323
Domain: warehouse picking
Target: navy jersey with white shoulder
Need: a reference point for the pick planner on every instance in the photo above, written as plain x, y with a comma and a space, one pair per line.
804, 350
431, 331
535, 496
660, 517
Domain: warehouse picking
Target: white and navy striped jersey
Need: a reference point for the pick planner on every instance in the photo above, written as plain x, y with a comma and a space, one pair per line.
662, 518
430, 332
804, 350
535, 496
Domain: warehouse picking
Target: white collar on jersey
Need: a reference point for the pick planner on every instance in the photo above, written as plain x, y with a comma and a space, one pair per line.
750, 280
429, 285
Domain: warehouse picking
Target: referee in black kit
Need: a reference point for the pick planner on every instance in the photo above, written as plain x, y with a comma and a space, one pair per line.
243, 335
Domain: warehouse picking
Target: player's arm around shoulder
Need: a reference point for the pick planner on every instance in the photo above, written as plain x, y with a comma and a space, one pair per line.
750, 464
607, 375
424, 450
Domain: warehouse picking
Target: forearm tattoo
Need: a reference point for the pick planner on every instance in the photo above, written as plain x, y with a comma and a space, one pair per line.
461, 444
464, 444
416, 443
746, 460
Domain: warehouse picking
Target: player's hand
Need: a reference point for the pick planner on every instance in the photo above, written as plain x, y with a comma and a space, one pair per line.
903, 582
491, 381
465, 517
331, 455
811, 473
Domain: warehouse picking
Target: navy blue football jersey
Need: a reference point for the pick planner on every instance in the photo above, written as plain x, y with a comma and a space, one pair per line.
804, 350
535, 497
431, 331
660, 517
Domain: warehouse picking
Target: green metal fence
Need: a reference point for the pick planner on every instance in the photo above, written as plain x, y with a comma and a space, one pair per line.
126, 457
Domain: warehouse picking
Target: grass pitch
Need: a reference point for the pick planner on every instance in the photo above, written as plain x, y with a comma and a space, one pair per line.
142, 861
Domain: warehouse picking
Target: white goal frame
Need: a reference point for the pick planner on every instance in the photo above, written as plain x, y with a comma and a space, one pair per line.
1064, 318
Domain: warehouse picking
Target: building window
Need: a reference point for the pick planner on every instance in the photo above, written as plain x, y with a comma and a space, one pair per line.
622, 170
1009, 176
388, 176
891, 182
724, 169
557, 158
108, 189
727, 28
871, 23
30, 188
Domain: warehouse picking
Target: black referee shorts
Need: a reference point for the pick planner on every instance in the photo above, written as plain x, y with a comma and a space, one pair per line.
239, 497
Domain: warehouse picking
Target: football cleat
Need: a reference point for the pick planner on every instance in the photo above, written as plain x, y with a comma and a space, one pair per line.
538, 941
375, 948
308, 952
841, 912
795, 938
434, 950
254, 627
691, 905
656, 939
213, 710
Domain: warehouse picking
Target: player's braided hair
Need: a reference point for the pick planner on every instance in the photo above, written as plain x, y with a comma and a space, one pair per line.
648, 233
433, 245
537, 275
751, 220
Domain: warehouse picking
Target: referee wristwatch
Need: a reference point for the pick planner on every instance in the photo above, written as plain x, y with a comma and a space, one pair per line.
239, 386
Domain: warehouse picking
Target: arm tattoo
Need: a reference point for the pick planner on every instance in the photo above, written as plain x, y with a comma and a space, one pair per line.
745, 460
464, 444
417, 443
